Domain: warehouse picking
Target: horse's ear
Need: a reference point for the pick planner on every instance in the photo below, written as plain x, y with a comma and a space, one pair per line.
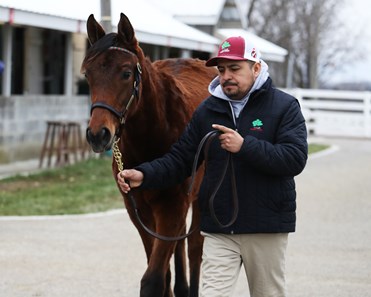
125, 30
95, 31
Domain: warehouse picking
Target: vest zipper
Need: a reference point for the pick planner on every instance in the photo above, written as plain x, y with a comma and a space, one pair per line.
233, 116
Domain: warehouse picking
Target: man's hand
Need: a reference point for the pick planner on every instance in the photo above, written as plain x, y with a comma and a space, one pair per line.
230, 139
134, 176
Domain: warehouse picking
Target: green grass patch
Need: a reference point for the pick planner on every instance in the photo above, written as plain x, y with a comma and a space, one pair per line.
84, 187
314, 147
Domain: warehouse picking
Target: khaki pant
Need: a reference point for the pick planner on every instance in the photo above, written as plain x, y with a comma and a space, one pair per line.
262, 255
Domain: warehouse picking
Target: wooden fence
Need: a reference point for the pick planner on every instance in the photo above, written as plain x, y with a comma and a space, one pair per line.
336, 113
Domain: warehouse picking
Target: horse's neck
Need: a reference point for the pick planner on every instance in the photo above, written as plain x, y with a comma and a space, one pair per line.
153, 95
161, 99
150, 130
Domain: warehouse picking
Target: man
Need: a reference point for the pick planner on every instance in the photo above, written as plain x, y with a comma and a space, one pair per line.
264, 130
2, 66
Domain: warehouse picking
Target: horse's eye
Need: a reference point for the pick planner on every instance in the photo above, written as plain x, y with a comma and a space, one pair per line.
126, 75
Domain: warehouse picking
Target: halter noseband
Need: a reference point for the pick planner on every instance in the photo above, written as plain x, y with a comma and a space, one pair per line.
121, 115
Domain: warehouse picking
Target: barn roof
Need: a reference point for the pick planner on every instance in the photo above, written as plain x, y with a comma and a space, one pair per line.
152, 25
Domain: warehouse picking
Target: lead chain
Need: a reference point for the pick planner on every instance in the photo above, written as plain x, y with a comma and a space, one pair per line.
117, 155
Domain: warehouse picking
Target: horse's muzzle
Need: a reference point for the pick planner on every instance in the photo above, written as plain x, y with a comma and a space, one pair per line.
100, 141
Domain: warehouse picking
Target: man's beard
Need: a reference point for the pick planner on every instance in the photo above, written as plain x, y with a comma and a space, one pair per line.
231, 93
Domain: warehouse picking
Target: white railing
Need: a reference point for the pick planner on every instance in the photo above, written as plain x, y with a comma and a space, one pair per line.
335, 113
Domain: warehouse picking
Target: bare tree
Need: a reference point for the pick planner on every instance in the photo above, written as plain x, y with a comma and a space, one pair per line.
250, 9
310, 30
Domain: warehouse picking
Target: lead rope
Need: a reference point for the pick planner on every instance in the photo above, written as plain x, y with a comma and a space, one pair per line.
205, 144
120, 165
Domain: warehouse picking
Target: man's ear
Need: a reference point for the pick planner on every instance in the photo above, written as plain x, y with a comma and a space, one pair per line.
256, 69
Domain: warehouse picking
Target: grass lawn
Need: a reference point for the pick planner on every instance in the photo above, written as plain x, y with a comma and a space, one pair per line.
84, 187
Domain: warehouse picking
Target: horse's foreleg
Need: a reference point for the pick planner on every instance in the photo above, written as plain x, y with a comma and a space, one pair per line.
156, 280
146, 289
195, 242
166, 216
180, 263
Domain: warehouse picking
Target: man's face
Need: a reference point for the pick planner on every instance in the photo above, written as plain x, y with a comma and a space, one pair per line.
237, 77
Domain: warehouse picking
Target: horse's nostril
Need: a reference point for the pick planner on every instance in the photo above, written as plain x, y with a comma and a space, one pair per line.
88, 134
99, 141
105, 135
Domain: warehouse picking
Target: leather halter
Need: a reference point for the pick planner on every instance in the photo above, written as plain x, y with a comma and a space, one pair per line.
121, 115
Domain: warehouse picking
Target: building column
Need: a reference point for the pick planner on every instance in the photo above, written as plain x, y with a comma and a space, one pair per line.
68, 71
186, 53
165, 53
156, 52
7, 50
33, 64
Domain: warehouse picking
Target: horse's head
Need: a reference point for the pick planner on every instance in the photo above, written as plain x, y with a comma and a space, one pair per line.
112, 69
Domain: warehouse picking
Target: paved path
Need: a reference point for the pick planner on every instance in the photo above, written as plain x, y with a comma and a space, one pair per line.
101, 255
21, 167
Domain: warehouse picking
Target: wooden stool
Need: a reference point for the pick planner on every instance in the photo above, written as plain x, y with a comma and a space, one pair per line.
62, 138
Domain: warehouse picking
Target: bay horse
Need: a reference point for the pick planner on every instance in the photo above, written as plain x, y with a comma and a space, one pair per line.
145, 106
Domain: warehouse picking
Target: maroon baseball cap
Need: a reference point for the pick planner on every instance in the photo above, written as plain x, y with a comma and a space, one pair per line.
235, 48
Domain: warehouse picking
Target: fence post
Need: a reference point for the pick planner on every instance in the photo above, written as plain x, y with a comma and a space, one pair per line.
367, 114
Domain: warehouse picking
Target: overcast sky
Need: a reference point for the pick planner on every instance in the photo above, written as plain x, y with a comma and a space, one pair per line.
357, 15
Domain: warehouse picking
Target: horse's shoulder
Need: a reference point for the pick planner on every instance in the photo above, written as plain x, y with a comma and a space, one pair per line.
175, 65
